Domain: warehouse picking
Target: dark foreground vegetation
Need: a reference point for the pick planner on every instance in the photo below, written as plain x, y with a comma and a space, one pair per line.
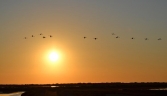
89, 89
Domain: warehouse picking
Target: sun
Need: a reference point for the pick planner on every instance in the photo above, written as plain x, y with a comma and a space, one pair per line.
53, 56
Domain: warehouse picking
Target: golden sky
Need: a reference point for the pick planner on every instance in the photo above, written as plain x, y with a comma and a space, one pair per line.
107, 59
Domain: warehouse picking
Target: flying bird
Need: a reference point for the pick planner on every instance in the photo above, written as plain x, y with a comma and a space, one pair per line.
132, 38
84, 37
95, 38
159, 39
113, 34
40, 34
117, 37
146, 38
50, 35
32, 35
25, 37
44, 37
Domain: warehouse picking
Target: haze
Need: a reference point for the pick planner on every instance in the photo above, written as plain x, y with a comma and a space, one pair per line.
107, 59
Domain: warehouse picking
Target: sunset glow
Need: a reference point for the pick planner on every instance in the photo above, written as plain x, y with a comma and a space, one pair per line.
64, 41
53, 56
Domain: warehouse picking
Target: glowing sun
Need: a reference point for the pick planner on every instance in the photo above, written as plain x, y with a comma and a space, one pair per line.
53, 56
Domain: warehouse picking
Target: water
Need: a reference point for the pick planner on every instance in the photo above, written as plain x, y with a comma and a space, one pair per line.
12, 94
159, 89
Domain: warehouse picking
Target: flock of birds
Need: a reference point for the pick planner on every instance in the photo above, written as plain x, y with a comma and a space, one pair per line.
39, 34
86, 37
119, 37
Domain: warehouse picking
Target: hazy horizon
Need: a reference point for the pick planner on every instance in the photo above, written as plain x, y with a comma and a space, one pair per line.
68, 57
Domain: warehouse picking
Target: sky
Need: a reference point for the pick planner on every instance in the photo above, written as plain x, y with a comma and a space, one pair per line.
106, 59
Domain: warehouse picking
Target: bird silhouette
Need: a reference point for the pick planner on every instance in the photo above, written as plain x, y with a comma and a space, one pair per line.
84, 37
44, 37
25, 37
159, 39
113, 34
95, 38
40, 34
132, 38
50, 35
117, 37
146, 38
32, 35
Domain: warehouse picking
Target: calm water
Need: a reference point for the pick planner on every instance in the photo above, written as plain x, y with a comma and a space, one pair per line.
12, 94
159, 89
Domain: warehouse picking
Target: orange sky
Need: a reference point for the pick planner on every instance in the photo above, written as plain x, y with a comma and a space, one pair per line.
106, 59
